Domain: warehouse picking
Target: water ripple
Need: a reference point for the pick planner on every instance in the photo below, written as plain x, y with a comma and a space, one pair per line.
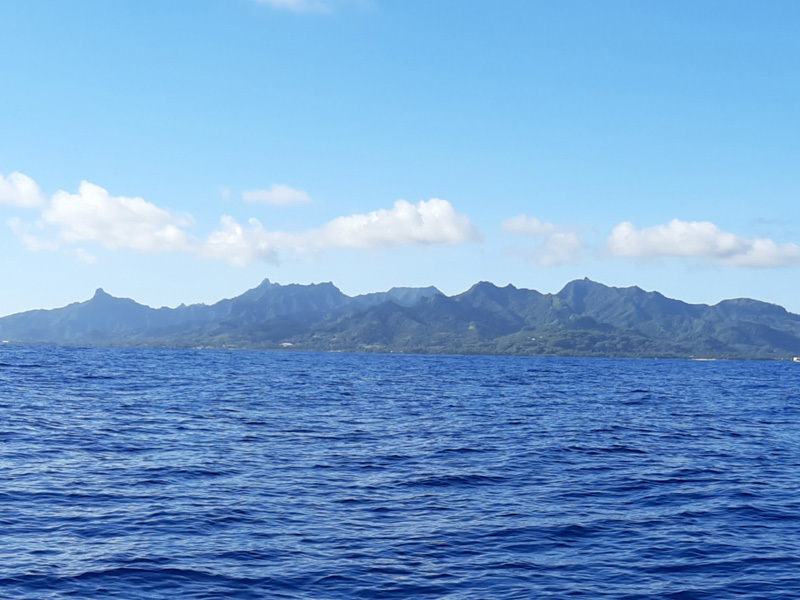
150, 474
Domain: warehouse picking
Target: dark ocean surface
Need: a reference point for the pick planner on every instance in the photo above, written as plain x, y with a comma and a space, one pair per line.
149, 474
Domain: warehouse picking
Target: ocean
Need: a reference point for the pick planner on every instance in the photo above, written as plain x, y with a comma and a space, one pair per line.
202, 474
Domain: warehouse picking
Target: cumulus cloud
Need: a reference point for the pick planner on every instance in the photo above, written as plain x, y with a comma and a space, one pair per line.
240, 246
557, 244
94, 215
700, 239
20, 190
428, 222
279, 195
433, 221
115, 221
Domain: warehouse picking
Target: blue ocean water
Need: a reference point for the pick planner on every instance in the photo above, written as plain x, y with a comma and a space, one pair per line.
149, 474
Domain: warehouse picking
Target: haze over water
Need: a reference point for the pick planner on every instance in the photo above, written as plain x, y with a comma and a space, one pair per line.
148, 474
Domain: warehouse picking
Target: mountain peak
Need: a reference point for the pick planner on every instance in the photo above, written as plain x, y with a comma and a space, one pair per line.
483, 286
584, 283
100, 293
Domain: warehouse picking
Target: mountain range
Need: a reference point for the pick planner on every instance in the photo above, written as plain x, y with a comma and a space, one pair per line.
585, 318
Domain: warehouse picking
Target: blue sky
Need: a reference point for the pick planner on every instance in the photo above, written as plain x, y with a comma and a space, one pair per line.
183, 151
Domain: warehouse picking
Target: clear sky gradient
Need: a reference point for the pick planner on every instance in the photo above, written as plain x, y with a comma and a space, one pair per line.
182, 151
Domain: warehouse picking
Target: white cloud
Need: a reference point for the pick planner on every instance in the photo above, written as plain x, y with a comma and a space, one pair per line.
116, 221
94, 215
279, 195
20, 190
240, 246
428, 222
558, 244
700, 239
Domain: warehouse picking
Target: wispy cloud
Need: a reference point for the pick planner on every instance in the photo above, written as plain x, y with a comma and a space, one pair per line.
82, 256
700, 239
278, 195
293, 5
32, 235
311, 6
557, 244
433, 221
20, 190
